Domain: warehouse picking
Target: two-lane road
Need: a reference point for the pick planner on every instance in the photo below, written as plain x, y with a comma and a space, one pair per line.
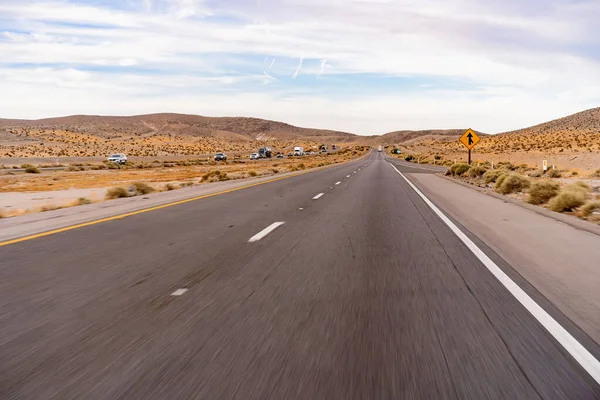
338, 284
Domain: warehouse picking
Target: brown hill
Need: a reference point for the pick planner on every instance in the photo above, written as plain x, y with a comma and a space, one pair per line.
587, 121
154, 135
180, 124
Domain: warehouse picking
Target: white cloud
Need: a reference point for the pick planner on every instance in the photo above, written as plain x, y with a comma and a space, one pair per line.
528, 63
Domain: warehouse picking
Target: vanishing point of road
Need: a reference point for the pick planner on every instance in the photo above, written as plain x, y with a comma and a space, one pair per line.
343, 283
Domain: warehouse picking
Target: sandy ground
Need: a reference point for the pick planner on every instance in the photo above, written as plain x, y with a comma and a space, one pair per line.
22, 193
579, 161
15, 203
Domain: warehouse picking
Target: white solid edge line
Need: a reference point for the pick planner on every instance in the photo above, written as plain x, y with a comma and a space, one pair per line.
179, 292
265, 231
317, 197
337, 183
568, 342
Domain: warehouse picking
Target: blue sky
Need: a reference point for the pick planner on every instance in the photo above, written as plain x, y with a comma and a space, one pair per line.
364, 66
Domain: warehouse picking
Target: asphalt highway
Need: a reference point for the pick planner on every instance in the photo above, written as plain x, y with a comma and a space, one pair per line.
337, 284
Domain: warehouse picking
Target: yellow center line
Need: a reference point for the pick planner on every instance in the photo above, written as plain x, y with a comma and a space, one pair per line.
145, 210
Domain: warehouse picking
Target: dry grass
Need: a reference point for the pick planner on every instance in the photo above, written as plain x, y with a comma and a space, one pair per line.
140, 188
512, 183
116, 193
82, 201
459, 169
492, 175
554, 173
542, 192
568, 200
590, 207
159, 174
476, 172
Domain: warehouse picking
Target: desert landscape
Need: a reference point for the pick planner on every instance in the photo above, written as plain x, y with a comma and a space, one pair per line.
571, 143
61, 162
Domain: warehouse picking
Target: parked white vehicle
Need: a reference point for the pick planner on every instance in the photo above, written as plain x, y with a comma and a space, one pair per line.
298, 151
254, 156
118, 158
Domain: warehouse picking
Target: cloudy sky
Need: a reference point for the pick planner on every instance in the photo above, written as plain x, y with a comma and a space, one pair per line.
364, 66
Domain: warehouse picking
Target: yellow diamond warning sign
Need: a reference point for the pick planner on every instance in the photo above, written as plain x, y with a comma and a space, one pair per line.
470, 139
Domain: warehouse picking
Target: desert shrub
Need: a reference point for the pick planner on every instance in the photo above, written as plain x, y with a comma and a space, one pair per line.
568, 200
459, 169
169, 186
185, 184
554, 173
579, 186
437, 158
590, 207
140, 188
512, 183
215, 175
574, 173
501, 179
301, 166
275, 170
492, 175
252, 173
476, 172
541, 192
408, 158
535, 173
50, 207
25, 166
596, 173
83, 201
116, 193
32, 170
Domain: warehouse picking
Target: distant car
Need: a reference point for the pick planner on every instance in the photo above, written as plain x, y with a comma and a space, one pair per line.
220, 157
279, 155
254, 156
118, 158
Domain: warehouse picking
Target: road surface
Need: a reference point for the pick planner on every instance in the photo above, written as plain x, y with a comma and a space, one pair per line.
337, 284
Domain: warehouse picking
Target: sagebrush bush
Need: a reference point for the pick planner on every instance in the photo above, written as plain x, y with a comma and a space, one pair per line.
459, 169
579, 186
492, 175
512, 183
476, 172
139, 188
252, 173
590, 207
535, 173
541, 192
116, 193
32, 170
170, 186
596, 173
25, 166
83, 201
214, 176
568, 200
554, 173
501, 179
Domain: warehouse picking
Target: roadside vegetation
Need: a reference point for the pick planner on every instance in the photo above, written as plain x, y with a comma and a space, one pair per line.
553, 189
135, 178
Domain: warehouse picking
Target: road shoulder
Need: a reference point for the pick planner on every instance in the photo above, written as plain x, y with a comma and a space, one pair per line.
559, 260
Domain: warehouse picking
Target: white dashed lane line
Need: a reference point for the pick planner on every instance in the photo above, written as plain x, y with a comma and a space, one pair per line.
179, 292
337, 183
265, 231
347, 176
317, 197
